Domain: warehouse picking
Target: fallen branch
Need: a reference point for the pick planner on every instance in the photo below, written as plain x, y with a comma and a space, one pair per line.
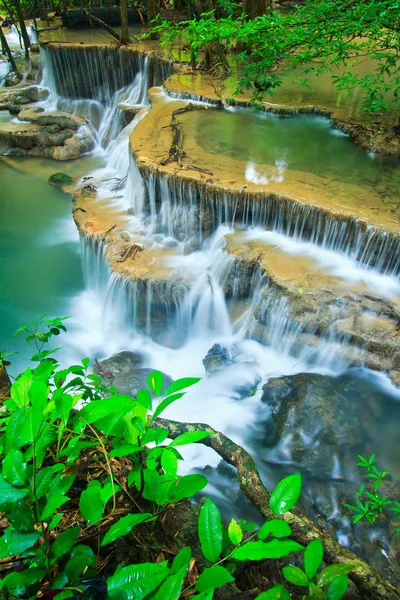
368, 581
131, 251
194, 168
176, 151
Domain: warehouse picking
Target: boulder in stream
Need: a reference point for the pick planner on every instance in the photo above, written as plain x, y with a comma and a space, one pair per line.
124, 371
12, 78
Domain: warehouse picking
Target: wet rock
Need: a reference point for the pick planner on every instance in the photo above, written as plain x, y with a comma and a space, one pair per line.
124, 371
130, 111
125, 236
35, 48
59, 179
216, 359
12, 78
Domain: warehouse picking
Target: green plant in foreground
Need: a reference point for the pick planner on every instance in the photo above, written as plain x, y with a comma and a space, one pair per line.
370, 503
47, 431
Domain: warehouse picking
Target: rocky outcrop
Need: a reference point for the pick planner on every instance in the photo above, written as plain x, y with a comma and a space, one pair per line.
19, 96
12, 78
51, 135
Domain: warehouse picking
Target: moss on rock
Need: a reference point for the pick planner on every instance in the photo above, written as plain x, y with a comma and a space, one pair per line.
59, 179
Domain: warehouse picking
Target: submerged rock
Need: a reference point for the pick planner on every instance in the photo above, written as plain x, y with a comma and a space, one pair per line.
59, 179
124, 371
216, 359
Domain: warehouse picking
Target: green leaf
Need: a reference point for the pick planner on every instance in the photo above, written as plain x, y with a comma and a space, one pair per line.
190, 437
213, 578
109, 408
330, 573
20, 388
13, 542
180, 384
64, 542
64, 405
43, 479
55, 501
81, 558
26, 578
13, 438
172, 587
125, 526
338, 587
144, 399
278, 592
210, 531
286, 494
235, 532
261, 550
276, 527
186, 487
313, 558
14, 468
125, 450
90, 503
55, 521
155, 382
182, 559
9, 494
316, 593
164, 404
295, 575
108, 491
169, 462
208, 595
21, 517
135, 582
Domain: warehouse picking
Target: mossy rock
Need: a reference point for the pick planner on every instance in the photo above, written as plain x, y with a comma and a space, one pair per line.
59, 179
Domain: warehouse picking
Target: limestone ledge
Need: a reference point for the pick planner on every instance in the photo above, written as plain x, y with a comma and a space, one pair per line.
97, 220
366, 327
46, 134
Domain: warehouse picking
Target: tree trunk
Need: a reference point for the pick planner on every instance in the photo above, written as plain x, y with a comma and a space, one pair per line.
255, 8
6, 47
5, 383
24, 32
43, 12
124, 22
151, 14
214, 54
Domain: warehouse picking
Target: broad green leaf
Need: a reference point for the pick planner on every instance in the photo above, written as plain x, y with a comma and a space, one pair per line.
135, 582
169, 462
235, 532
190, 437
164, 404
186, 487
180, 384
109, 408
330, 573
295, 575
313, 557
160, 435
13, 542
125, 526
90, 503
207, 595
20, 388
278, 592
64, 405
21, 517
172, 587
108, 491
338, 587
23, 579
55, 521
316, 593
182, 559
210, 531
9, 494
66, 595
64, 542
43, 480
213, 578
55, 501
14, 468
276, 527
32, 424
13, 437
155, 382
125, 450
286, 494
144, 399
261, 550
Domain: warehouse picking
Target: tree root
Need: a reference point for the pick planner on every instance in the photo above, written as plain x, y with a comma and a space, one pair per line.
367, 580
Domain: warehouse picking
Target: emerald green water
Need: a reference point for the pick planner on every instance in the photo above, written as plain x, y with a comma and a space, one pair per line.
301, 143
40, 266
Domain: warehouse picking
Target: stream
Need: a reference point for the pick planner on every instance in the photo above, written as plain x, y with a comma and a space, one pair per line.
46, 267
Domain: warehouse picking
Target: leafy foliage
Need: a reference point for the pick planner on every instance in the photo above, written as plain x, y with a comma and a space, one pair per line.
43, 440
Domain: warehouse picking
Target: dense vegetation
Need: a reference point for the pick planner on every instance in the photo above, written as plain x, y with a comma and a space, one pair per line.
74, 482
